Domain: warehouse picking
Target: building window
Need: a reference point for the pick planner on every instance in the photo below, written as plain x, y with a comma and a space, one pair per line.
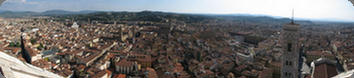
288, 63
289, 47
287, 74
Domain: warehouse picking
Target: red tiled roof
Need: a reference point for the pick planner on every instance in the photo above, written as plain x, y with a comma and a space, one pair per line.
265, 73
14, 49
124, 63
101, 74
178, 67
67, 72
140, 58
42, 64
152, 73
325, 71
120, 76
31, 51
81, 67
319, 53
308, 76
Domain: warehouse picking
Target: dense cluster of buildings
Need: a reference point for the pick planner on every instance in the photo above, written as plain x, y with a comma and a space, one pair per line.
175, 49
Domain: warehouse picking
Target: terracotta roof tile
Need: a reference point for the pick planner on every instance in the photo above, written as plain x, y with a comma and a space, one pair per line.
325, 71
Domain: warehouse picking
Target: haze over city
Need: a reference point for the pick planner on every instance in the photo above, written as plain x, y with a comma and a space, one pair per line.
326, 10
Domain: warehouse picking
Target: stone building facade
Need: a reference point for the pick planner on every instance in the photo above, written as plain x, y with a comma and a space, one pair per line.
290, 49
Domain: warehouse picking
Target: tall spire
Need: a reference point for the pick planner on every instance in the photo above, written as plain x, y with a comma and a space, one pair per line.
292, 17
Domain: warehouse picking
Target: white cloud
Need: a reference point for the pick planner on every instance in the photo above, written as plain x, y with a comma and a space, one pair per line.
21, 1
17, 1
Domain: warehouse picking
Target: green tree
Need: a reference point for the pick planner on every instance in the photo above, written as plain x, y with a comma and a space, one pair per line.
14, 44
33, 41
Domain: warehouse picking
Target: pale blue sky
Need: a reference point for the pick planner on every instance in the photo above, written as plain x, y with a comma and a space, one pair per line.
313, 9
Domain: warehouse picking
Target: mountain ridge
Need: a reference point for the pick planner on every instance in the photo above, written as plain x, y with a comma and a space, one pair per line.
58, 12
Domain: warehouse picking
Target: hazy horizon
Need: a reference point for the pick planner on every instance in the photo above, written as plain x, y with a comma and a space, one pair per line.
327, 10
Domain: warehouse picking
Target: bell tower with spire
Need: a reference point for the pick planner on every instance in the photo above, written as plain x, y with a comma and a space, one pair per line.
290, 49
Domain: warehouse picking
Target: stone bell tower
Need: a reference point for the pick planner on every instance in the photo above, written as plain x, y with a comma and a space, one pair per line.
290, 50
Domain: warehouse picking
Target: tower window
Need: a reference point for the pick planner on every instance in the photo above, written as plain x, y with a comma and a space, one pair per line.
287, 74
288, 63
289, 47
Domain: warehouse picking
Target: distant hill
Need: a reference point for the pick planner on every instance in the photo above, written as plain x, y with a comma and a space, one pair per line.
57, 12
46, 13
18, 14
154, 16
140, 16
159, 16
63, 12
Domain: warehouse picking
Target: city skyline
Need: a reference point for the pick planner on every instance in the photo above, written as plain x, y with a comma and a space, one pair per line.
165, 39
340, 10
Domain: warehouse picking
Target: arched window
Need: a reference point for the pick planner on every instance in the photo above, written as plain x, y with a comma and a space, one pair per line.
289, 47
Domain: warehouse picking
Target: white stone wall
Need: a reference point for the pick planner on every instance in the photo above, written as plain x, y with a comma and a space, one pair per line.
14, 68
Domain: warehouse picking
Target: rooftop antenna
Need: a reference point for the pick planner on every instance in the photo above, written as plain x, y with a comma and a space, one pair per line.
292, 17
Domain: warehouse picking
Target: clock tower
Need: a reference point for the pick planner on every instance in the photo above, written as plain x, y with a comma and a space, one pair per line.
290, 50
